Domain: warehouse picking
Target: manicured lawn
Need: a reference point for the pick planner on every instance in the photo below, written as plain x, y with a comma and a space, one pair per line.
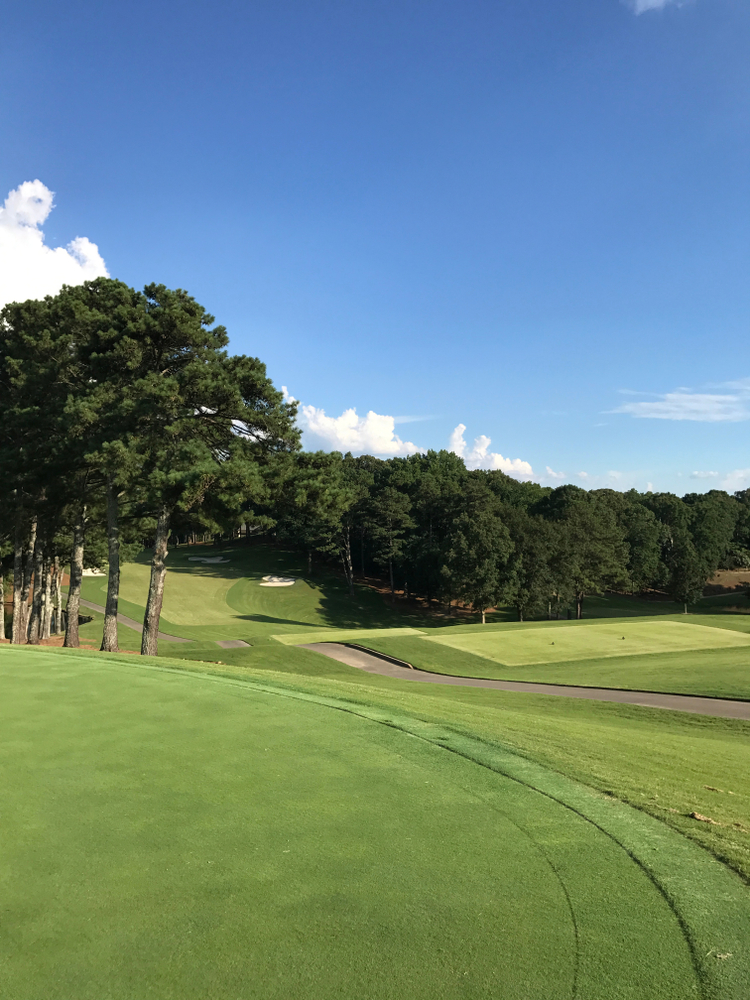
176, 834
226, 600
700, 653
543, 645
109, 734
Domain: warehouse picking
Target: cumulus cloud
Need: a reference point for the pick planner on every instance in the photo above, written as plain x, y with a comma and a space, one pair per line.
29, 269
707, 407
704, 475
373, 434
480, 457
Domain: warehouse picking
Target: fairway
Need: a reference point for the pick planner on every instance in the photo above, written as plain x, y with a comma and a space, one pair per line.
184, 836
215, 593
518, 647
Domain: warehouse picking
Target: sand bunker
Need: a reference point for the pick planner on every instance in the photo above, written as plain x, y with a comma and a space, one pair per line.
277, 581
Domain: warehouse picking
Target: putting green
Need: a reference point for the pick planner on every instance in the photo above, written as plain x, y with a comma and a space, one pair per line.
176, 835
518, 647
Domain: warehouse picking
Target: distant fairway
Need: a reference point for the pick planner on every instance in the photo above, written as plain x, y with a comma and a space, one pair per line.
227, 600
530, 645
211, 602
178, 835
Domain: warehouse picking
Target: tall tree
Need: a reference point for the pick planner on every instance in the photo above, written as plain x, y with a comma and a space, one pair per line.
530, 578
195, 408
476, 561
592, 554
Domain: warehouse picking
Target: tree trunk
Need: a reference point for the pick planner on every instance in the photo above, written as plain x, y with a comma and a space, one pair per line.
362, 551
520, 614
309, 562
549, 610
35, 622
58, 596
47, 600
579, 605
109, 635
484, 620
346, 559
684, 607
150, 641
16, 634
74, 587
2, 604
26, 587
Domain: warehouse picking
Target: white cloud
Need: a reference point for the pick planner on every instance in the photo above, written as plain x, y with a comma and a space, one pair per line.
373, 434
685, 405
704, 475
551, 474
28, 268
641, 6
739, 479
480, 457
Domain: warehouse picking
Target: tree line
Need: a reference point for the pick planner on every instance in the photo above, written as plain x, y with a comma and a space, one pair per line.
439, 531
123, 419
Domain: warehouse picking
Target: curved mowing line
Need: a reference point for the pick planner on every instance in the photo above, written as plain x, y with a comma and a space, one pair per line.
711, 903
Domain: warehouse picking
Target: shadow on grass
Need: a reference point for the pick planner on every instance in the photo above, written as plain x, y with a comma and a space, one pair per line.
369, 608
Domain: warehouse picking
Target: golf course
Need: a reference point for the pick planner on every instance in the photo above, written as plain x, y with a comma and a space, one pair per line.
263, 821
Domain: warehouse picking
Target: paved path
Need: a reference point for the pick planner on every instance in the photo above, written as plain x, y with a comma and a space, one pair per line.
720, 707
131, 622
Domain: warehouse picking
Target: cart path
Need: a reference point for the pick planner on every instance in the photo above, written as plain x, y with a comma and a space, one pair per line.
720, 707
130, 622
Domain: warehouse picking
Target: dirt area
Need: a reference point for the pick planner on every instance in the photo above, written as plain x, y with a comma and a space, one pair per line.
728, 581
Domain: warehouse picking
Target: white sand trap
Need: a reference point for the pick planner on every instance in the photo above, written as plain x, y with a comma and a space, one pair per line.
94, 572
207, 559
277, 581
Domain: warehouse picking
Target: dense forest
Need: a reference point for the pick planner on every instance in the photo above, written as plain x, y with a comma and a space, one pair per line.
125, 423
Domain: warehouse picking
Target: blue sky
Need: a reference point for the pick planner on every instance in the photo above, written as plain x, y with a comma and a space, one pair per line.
526, 219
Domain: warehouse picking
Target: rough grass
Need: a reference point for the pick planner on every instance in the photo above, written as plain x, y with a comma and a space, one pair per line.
169, 835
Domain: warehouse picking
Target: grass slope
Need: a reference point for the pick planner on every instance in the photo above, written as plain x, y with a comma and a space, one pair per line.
174, 836
206, 602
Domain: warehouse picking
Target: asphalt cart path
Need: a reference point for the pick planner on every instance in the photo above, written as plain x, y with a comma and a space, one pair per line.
374, 663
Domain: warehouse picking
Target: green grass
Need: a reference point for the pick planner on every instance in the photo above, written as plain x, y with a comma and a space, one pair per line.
532, 645
227, 601
722, 672
177, 834
659, 767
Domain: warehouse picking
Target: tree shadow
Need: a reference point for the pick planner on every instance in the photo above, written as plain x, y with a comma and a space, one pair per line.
269, 620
